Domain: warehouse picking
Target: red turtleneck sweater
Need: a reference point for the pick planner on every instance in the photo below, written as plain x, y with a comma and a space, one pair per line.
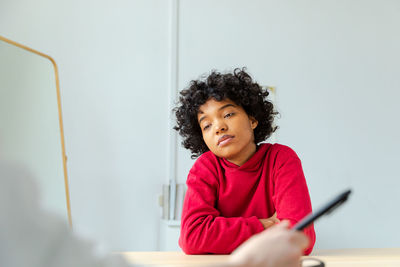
224, 201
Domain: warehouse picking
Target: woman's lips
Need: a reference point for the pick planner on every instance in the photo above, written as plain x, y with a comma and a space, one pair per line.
224, 140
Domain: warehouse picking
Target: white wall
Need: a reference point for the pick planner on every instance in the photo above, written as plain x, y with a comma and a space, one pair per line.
335, 65
113, 64
336, 68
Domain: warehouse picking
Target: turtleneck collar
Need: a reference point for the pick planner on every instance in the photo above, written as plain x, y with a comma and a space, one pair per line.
252, 164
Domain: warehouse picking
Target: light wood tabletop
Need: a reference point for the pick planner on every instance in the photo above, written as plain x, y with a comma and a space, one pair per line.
173, 258
381, 257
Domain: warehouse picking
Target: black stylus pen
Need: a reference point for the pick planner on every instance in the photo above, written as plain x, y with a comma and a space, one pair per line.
325, 209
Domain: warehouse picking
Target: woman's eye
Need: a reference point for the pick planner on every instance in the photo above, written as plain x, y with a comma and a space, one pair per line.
229, 115
206, 127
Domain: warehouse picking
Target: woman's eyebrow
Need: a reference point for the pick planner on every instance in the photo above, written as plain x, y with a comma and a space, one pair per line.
203, 117
227, 105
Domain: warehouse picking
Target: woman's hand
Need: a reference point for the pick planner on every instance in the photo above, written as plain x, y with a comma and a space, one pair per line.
270, 221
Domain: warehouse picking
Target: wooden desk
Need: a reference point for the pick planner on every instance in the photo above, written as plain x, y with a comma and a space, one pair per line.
367, 257
173, 259
387, 257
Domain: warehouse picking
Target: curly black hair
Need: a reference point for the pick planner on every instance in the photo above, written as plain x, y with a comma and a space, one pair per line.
238, 87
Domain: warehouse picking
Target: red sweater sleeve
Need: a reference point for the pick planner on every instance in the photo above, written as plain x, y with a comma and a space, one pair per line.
203, 230
291, 197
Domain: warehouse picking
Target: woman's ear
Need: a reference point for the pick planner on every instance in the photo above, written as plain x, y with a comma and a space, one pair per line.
253, 122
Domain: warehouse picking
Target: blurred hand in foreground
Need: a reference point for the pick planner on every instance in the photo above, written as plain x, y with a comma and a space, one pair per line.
276, 247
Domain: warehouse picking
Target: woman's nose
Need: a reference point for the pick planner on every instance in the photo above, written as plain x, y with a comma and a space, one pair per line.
220, 126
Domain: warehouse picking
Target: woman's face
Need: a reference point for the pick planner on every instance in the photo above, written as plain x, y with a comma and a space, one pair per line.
227, 130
